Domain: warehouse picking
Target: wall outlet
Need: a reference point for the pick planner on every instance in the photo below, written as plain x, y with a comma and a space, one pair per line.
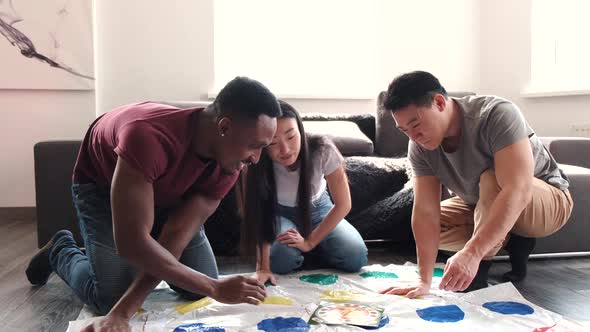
581, 130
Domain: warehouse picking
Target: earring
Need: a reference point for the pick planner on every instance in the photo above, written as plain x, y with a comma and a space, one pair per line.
222, 134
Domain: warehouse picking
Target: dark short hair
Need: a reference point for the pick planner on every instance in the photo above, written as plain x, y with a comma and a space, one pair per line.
415, 88
246, 98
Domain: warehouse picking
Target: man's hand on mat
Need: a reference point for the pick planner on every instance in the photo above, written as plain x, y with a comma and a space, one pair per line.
264, 275
410, 291
239, 289
460, 270
293, 239
109, 323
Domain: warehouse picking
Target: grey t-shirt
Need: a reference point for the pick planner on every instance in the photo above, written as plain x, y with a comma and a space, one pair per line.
325, 160
488, 124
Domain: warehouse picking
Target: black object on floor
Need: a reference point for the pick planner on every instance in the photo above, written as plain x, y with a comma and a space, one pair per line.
39, 268
519, 248
481, 278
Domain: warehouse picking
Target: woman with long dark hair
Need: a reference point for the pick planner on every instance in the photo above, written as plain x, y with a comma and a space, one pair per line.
288, 207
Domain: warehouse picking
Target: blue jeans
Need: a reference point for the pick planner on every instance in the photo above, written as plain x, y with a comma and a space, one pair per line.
343, 248
100, 276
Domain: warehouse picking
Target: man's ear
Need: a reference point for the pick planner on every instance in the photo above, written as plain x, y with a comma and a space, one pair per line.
440, 101
224, 125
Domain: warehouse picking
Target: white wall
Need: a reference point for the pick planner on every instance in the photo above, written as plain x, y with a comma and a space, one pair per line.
164, 52
441, 37
345, 48
505, 69
28, 117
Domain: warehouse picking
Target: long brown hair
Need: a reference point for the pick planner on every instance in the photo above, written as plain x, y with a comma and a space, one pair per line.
259, 199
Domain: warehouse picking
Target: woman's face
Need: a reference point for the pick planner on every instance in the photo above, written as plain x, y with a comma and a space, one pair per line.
286, 144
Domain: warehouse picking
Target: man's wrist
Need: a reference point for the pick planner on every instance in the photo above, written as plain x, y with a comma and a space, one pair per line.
212, 288
122, 311
474, 250
426, 283
426, 276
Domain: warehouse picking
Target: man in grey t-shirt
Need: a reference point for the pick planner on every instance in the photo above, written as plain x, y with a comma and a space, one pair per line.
508, 188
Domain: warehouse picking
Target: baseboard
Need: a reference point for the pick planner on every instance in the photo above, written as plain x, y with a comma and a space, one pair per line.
548, 255
25, 213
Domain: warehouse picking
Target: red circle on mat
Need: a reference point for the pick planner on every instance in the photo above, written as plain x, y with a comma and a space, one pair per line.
554, 328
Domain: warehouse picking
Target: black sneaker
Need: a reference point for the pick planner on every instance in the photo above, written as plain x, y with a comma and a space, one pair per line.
519, 248
481, 278
39, 268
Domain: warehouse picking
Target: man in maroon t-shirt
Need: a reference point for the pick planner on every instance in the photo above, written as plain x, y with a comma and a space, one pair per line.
147, 177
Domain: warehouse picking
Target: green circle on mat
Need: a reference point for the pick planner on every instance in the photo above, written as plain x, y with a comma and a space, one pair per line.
438, 272
320, 279
378, 274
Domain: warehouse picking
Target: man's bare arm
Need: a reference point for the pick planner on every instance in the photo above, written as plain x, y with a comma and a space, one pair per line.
514, 168
426, 228
426, 223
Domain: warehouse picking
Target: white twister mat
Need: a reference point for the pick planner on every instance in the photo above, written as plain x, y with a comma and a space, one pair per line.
293, 300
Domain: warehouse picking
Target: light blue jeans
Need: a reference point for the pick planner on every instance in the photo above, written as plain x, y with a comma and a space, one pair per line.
342, 249
100, 276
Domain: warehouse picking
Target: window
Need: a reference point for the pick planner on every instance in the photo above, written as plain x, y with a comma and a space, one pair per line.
560, 50
297, 48
334, 49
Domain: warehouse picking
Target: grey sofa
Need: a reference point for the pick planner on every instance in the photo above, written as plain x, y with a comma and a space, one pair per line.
376, 137
572, 154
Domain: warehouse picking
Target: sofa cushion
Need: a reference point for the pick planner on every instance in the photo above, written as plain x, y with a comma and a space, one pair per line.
347, 136
389, 141
569, 150
366, 122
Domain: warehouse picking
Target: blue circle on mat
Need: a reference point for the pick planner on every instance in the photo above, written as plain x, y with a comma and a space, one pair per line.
509, 308
441, 314
280, 324
384, 321
198, 327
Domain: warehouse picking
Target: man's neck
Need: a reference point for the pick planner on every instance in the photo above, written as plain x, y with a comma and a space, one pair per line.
453, 137
205, 133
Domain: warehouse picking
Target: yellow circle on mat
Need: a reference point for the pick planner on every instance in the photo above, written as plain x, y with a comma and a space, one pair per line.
277, 300
340, 295
188, 307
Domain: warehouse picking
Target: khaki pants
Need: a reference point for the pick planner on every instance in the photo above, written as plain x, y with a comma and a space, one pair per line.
547, 212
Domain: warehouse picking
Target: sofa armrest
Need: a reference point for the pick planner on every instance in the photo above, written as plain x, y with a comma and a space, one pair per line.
54, 165
569, 150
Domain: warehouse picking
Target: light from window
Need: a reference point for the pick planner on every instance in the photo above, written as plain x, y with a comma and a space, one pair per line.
344, 49
305, 47
560, 45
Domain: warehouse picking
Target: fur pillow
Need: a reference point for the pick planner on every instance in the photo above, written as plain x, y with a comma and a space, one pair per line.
381, 204
372, 179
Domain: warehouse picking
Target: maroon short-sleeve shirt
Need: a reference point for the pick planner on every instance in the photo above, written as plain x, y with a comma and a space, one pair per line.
156, 140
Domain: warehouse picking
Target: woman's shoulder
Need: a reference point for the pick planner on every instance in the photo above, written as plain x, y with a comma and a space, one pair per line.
320, 144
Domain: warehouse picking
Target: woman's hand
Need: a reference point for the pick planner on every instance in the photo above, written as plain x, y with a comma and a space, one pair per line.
293, 239
264, 276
